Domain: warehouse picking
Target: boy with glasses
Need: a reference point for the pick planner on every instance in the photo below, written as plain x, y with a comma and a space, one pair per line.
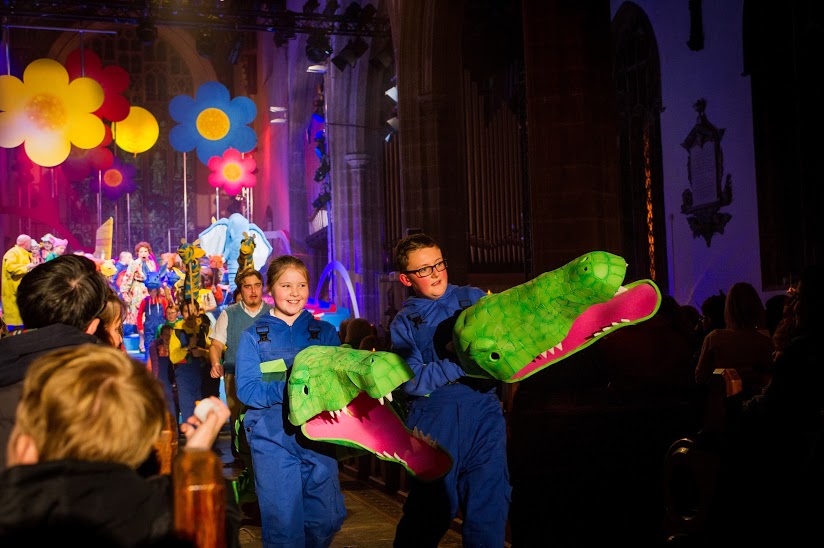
463, 415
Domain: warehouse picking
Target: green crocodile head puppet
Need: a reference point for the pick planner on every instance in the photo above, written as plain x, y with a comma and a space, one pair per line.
343, 396
518, 332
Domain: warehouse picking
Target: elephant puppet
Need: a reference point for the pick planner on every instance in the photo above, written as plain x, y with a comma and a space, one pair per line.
224, 236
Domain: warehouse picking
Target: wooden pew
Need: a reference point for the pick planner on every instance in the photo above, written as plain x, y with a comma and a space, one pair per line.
692, 465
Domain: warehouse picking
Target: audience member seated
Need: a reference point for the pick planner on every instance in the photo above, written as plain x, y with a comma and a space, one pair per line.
372, 342
60, 301
712, 317
743, 345
88, 417
774, 463
774, 311
651, 360
357, 330
110, 328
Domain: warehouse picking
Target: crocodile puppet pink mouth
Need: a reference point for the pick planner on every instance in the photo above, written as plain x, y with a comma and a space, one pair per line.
636, 304
369, 424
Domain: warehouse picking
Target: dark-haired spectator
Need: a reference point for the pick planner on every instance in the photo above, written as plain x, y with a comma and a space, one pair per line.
357, 330
60, 304
110, 329
774, 311
743, 345
774, 464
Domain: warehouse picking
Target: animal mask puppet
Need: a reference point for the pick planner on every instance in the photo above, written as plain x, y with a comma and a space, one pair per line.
338, 394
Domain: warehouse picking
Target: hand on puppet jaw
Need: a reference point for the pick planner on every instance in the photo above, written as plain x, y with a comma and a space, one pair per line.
339, 394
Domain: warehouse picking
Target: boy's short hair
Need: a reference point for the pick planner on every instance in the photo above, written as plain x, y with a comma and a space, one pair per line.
278, 266
407, 245
91, 403
68, 290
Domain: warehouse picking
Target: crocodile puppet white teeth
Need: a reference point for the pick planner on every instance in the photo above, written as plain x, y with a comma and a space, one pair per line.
394, 456
621, 289
426, 439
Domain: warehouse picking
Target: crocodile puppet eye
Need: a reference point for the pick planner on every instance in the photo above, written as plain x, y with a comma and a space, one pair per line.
494, 356
305, 390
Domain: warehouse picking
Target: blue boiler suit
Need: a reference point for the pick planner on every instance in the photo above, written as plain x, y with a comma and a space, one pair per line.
301, 504
465, 416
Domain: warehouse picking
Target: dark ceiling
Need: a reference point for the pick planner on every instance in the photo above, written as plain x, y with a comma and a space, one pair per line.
354, 20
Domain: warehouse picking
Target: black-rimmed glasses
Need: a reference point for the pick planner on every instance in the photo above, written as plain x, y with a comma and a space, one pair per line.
426, 271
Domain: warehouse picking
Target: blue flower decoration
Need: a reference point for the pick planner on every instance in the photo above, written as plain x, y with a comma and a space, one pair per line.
212, 122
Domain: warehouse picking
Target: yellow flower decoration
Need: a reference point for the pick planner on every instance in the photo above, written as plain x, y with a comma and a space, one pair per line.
48, 113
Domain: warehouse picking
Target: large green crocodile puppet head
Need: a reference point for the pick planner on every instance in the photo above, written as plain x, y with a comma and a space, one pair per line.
518, 332
340, 395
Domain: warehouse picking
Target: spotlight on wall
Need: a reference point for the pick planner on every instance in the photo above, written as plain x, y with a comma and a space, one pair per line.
146, 31
318, 47
350, 53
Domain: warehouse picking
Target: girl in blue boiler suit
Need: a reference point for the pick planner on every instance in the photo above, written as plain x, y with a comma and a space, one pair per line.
298, 489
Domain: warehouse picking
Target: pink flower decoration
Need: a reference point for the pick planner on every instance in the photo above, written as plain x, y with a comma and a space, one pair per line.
113, 79
232, 172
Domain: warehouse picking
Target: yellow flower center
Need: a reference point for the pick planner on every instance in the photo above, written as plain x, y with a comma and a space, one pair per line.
213, 124
46, 111
231, 171
112, 177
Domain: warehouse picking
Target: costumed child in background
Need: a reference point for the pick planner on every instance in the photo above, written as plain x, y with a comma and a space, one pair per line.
297, 487
206, 296
46, 245
160, 365
189, 352
151, 313
36, 255
59, 247
133, 287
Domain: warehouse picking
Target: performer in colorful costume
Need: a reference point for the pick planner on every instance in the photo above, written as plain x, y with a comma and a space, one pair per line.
17, 262
133, 287
152, 312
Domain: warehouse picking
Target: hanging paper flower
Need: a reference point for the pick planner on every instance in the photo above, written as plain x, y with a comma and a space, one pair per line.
48, 114
81, 162
113, 79
232, 172
212, 122
116, 181
138, 132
